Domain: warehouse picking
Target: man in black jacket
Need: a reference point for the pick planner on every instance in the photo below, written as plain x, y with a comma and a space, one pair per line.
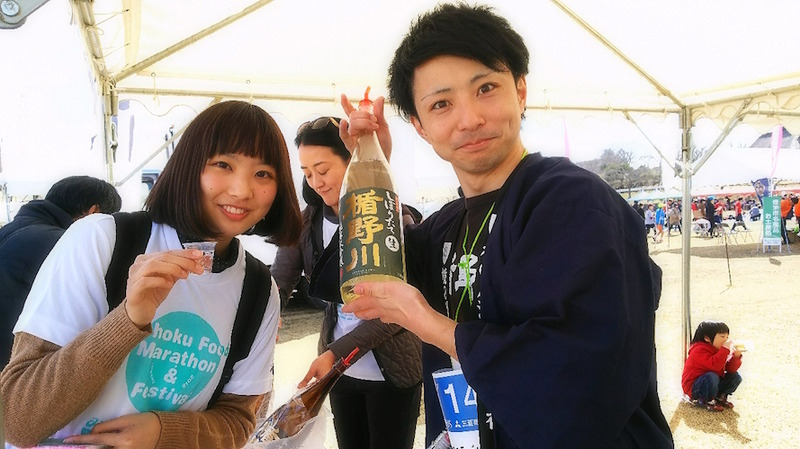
553, 330
28, 239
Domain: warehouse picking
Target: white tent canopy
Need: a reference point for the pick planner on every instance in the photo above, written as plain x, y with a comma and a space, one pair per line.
722, 60
719, 60
730, 61
708, 56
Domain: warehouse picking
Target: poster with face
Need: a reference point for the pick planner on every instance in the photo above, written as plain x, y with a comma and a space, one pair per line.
761, 187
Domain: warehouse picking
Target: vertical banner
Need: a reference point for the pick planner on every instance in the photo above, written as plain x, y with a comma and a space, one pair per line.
772, 221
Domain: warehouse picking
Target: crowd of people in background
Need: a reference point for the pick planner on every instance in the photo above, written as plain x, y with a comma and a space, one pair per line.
708, 214
660, 216
790, 208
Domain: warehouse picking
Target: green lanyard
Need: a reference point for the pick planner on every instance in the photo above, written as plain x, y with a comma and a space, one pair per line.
467, 258
468, 255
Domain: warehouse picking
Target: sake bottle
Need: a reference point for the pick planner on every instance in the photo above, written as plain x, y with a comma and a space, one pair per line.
314, 396
288, 419
371, 244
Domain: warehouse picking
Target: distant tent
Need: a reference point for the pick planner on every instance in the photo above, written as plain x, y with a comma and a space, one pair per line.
765, 141
673, 193
648, 195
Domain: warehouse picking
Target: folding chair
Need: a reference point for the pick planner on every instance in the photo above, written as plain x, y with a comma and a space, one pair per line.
701, 227
745, 233
726, 233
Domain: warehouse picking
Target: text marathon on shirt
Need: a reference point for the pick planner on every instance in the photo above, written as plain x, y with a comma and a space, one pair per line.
174, 364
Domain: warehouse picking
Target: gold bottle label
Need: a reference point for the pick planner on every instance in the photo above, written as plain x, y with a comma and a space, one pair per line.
371, 234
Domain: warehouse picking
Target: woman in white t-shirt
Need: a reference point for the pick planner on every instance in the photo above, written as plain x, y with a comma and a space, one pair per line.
376, 402
143, 374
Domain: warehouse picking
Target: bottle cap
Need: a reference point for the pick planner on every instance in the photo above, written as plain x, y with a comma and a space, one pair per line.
346, 360
366, 103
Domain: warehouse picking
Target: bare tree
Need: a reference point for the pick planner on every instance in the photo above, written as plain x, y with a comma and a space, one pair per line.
615, 167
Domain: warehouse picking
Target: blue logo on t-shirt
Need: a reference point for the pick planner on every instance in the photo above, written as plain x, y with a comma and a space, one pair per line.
174, 364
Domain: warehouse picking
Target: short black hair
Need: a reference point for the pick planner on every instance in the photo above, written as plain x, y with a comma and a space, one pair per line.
326, 136
709, 329
472, 32
77, 194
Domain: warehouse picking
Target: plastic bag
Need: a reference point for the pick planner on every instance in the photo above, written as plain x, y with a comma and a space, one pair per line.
441, 442
311, 436
284, 422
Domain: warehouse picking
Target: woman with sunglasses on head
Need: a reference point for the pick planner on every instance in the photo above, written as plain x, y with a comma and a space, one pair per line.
150, 373
376, 402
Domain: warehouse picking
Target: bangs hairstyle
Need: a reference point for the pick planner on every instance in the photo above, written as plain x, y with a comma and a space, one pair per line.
709, 329
472, 32
229, 127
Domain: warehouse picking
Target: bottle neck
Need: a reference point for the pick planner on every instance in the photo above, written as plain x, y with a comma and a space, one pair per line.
315, 395
369, 148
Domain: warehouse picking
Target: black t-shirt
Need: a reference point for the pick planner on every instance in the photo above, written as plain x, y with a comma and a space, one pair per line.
465, 244
464, 247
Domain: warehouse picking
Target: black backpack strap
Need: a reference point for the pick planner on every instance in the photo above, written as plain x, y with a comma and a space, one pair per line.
324, 279
133, 233
252, 305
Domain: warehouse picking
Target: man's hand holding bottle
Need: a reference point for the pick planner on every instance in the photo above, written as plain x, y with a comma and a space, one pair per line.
358, 122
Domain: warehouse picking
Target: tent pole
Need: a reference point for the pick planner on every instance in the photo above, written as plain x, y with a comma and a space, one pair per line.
615, 50
158, 150
7, 201
149, 61
644, 134
110, 106
686, 173
686, 225
732, 123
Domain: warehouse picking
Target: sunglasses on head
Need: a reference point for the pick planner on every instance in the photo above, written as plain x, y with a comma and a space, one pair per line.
319, 123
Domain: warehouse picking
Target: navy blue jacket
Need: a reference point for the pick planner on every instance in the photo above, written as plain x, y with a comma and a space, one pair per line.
24, 244
564, 355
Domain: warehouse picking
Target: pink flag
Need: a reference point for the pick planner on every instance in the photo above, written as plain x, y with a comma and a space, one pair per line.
566, 138
777, 141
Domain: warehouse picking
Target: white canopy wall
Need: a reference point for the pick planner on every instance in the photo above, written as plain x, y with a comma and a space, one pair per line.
731, 61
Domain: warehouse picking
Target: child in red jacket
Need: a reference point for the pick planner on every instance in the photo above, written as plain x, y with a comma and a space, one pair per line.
710, 373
